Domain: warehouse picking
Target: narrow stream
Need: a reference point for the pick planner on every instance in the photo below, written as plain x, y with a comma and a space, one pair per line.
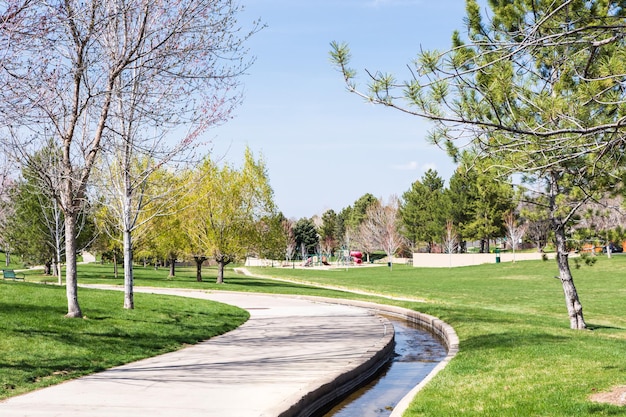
417, 352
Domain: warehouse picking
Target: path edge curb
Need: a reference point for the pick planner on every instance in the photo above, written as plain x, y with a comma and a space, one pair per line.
438, 328
352, 378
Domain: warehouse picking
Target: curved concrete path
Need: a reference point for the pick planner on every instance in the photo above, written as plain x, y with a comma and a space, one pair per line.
288, 349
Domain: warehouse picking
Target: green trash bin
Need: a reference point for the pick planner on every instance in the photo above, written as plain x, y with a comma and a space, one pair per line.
497, 255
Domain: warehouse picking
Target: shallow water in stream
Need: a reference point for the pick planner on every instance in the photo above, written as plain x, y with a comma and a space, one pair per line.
417, 352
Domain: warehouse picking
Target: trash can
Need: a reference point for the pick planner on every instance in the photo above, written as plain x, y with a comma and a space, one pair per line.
497, 255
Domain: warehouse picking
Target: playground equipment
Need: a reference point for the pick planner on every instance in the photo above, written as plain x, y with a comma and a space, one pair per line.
357, 257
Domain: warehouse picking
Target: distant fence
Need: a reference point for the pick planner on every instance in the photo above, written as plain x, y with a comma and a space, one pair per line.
444, 260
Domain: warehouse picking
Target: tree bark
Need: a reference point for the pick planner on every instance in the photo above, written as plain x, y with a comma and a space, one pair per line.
115, 273
574, 307
71, 281
199, 261
129, 297
172, 266
221, 263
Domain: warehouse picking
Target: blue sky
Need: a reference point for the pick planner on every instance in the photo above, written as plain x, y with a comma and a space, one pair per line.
324, 147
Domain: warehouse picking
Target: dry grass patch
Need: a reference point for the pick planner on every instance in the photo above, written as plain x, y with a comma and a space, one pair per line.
617, 396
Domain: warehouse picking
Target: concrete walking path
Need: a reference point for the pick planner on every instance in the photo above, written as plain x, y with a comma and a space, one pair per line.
288, 349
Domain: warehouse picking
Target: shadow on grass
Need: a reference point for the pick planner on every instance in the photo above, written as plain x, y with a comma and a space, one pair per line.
509, 340
42, 347
602, 327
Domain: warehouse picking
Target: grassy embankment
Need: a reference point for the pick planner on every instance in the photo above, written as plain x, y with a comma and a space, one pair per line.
518, 356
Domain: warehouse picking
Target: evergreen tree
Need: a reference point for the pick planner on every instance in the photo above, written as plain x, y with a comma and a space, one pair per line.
306, 236
538, 89
424, 210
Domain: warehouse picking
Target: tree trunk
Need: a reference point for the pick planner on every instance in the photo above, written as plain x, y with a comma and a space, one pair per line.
115, 273
574, 307
220, 271
58, 241
47, 268
172, 266
58, 272
199, 261
71, 280
129, 298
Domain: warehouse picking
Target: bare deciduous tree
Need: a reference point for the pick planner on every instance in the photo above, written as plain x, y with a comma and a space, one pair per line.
381, 226
290, 247
68, 63
450, 240
6, 207
514, 231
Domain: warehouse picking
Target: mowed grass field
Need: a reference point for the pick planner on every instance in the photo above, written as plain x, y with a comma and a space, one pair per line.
517, 356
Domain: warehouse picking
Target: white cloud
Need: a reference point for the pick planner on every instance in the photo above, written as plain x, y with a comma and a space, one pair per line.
410, 166
428, 166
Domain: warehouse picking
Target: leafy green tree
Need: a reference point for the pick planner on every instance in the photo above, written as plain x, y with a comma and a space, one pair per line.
538, 89
36, 226
226, 208
342, 233
328, 231
273, 237
359, 208
27, 228
36, 230
423, 210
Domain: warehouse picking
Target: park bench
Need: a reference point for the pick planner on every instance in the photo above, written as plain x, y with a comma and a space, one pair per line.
10, 274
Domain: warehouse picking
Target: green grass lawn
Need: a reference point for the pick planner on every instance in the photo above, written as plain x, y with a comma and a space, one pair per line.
15, 262
517, 357
39, 347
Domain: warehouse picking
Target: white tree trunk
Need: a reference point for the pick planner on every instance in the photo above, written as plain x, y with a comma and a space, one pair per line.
71, 281
129, 301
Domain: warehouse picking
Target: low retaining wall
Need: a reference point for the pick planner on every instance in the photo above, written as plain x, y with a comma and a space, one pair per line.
339, 387
445, 260
438, 328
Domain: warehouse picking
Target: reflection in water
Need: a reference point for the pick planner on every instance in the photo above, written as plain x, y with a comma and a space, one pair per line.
416, 353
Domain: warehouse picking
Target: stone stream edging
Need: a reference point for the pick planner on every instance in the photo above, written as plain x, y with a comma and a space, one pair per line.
438, 328
350, 379
316, 400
